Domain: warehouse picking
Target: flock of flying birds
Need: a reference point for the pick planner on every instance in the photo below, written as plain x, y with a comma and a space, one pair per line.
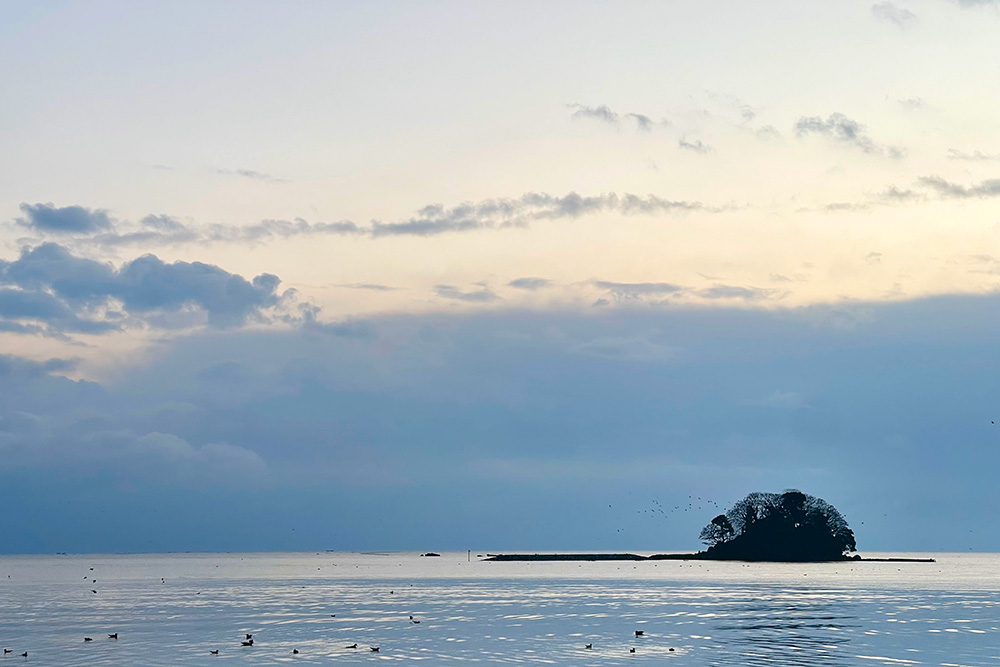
695, 503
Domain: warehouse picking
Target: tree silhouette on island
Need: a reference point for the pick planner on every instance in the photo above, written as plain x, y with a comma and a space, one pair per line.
789, 526
779, 527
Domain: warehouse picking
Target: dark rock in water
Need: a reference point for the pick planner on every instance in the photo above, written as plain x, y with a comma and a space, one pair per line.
430, 553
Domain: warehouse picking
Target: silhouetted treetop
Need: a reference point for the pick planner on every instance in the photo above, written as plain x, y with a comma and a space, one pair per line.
789, 526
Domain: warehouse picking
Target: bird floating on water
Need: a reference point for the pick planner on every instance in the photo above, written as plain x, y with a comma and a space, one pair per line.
249, 642
114, 636
631, 650
215, 652
589, 646
639, 633
352, 646
295, 651
374, 649
88, 639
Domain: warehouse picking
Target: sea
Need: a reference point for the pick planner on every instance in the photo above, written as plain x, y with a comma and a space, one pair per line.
458, 608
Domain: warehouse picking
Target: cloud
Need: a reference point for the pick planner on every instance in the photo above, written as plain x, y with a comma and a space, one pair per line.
431, 220
17, 305
948, 190
604, 114
647, 293
309, 322
47, 218
767, 133
987, 264
842, 129
484, 295
893, 194
531, 284
890, 13
738, 292
912, 103
601, 113
656, 294
643, 123
840, 206
696, 146
50, 285
253, 175
531, 207
974, 156
626, 290
695, 399
890, 196
19, 367
267, 229
373, 287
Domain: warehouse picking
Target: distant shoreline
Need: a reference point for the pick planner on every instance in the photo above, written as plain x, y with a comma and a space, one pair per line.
693, 556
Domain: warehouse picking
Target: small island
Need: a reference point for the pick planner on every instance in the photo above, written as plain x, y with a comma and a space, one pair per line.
789, 526
777, 527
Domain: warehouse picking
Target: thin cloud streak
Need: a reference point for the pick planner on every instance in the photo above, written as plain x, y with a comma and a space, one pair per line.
974, 156
606, 115
431, 220
484, 295
841, 129
891, 13
251, 174
530, 283
948, 190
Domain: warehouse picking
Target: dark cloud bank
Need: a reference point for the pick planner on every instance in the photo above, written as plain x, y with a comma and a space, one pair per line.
50, 290
513, 429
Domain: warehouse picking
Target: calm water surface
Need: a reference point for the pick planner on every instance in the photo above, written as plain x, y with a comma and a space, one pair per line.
945, 613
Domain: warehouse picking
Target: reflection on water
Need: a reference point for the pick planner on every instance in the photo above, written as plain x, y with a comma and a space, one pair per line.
476, 612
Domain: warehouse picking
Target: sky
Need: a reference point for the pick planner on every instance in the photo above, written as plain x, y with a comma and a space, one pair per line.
518, 276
